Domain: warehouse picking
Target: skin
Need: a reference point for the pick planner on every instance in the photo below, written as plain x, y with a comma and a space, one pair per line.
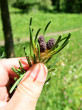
28, 91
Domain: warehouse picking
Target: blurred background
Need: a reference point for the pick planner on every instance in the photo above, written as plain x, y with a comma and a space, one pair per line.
64, 90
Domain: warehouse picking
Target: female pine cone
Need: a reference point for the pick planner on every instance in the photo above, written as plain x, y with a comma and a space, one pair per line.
41, 39
50, 43
42, 44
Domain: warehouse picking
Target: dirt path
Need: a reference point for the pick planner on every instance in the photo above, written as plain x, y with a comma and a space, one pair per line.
50, 34
63, 32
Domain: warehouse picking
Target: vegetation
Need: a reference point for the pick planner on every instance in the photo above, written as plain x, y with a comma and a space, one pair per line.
63, 91
72, 6
60, 22
9, 46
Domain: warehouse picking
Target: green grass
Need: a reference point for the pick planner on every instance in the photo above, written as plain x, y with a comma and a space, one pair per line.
64, 90
60, 22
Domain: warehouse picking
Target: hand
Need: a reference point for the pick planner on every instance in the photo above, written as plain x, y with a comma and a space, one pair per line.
29, 89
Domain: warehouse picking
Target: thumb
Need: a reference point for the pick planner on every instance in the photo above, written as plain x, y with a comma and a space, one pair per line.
29, 89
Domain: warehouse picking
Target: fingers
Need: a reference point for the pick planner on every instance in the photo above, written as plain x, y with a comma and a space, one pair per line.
29, 89
4, 78
14, 62
4, 96
6, 71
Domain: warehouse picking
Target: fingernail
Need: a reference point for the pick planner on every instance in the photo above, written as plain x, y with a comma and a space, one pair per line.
39, 73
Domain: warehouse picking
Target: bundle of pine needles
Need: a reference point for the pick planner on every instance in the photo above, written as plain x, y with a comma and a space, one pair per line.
39, 52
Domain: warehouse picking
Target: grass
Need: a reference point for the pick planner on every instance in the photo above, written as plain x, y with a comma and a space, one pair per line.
60, 22
63, 91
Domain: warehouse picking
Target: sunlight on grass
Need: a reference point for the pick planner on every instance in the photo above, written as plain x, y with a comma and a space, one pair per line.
63, 91
60, 22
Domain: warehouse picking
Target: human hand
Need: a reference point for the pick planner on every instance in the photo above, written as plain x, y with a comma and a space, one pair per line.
29, 89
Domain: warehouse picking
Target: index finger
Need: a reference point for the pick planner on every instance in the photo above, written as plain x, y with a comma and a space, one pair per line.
6, 71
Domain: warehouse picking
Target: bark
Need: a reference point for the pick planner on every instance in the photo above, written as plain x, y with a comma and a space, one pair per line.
9, 46
58, 5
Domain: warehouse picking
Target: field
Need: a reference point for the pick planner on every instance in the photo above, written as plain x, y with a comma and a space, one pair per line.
64, 90
60, 22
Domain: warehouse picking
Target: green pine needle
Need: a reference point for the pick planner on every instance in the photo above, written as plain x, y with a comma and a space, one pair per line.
35, 61
53, 63
31, 38
45, 58
37, 35
38, 51
13, 69
19, 70
30, 21
63, 39
50, 70
68, 37
48, 79
48, 59
21, 66
27, 57
16, 84
46, 27
61, 47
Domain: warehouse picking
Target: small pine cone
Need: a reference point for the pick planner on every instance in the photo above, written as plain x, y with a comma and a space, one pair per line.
41, 39
50, 43
42, 47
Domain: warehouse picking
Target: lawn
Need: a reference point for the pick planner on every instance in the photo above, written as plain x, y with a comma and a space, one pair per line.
60, 22
64, 90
